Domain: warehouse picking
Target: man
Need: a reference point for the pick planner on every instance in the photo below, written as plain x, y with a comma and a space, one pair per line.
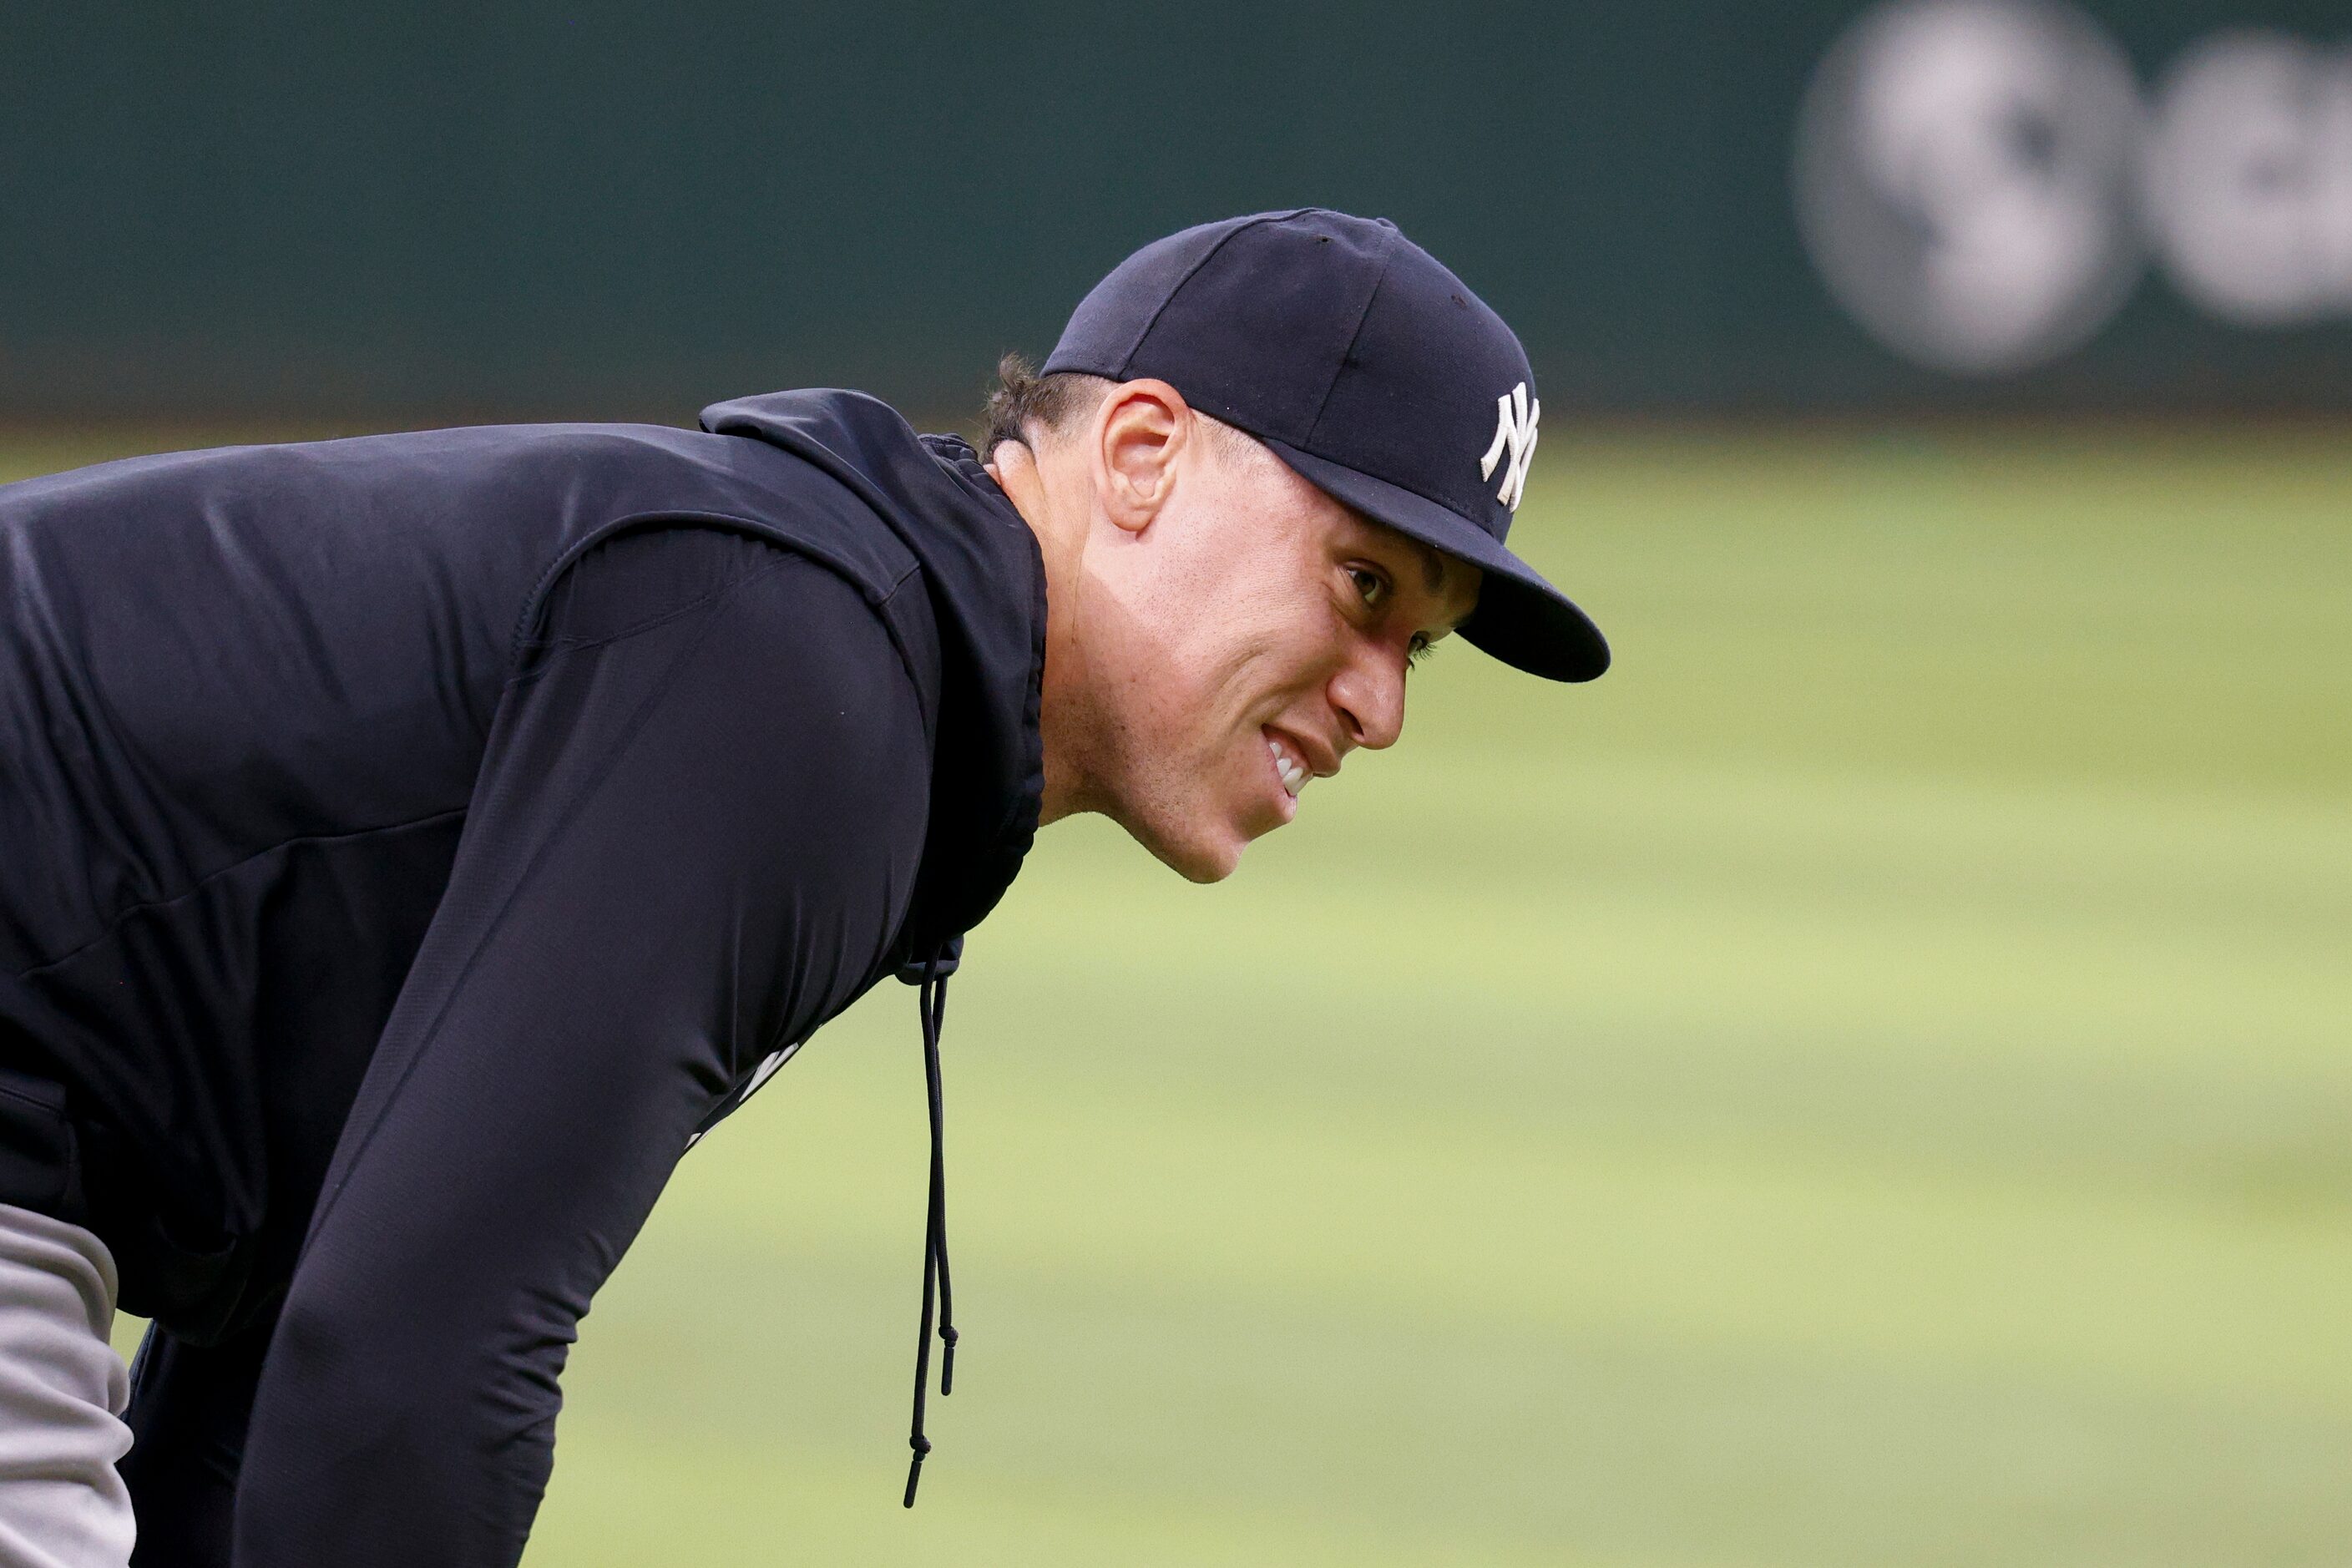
414, 843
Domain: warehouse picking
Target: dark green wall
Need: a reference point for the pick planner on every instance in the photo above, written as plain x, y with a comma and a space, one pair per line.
632, 208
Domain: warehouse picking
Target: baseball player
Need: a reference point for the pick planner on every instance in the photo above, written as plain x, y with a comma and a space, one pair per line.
410, 846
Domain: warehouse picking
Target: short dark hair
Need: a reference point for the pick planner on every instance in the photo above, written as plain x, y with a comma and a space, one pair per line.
1023, 402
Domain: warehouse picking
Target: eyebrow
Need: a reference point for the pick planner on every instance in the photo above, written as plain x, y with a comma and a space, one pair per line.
1432, 563
1433, 571
1433, 567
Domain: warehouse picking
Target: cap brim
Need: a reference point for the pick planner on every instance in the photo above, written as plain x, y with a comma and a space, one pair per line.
1520, 619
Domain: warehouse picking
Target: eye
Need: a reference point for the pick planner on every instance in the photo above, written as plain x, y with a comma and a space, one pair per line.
1371, 585
1417, 650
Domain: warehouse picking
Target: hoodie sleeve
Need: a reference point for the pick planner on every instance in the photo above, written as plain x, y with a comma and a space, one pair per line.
695, 834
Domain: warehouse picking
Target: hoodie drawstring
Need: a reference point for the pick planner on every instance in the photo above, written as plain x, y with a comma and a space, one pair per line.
934, 1001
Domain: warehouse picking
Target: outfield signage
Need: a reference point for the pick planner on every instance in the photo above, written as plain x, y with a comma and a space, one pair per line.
406, 213
1983, 183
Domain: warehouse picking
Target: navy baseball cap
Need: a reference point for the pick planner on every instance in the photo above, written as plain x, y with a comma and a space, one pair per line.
1370, 369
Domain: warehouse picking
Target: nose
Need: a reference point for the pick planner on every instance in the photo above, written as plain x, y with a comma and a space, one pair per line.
1369, 694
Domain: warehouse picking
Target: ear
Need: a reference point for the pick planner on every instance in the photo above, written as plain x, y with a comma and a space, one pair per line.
1140, 430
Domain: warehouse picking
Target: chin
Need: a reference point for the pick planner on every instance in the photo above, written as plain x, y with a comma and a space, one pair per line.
1197, 853
1199, 862
1206, 868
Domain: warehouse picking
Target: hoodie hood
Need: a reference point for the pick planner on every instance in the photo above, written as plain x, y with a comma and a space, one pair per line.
986, 581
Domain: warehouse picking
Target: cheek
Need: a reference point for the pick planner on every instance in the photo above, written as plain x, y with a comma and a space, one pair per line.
1267, 653
1231, 628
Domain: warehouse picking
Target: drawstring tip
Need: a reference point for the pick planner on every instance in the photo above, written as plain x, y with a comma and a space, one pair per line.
947, 1362
915, 1473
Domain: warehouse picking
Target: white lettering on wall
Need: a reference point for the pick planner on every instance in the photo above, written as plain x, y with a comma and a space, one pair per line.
2248, 178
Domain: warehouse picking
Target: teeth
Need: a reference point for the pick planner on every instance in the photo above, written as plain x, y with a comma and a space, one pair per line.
1292, 771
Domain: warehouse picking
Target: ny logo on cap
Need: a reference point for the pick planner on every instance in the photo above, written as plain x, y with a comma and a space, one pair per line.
1514, 428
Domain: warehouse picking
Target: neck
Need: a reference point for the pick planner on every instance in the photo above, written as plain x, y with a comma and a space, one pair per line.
1061, 540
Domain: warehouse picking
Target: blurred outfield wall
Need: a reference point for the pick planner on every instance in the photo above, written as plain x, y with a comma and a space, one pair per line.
601, 209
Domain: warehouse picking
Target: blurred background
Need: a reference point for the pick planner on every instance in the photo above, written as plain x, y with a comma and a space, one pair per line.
1866, 1083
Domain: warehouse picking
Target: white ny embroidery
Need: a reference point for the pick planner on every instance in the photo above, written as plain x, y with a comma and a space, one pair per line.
1515, 428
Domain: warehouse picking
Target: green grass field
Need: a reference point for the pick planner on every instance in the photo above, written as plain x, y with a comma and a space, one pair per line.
1864, 1084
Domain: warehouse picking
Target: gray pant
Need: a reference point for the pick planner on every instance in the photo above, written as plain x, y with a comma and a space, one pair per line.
62, 1394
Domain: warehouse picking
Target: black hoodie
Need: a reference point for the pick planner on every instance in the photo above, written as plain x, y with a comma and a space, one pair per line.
408, 845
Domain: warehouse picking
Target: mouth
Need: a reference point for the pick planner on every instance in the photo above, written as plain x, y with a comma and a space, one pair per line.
1290, 767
